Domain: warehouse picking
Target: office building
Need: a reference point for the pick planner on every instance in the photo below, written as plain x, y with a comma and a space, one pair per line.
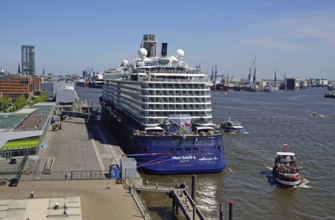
28, 60
17, 85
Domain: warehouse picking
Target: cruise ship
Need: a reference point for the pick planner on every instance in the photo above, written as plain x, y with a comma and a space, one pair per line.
161, 111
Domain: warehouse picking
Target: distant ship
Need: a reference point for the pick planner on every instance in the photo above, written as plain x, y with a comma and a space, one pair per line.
249, 86
96, 81
161, 110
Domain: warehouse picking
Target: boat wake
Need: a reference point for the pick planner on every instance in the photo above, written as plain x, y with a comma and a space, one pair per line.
236, 133
230, 170
316, 114
303, 184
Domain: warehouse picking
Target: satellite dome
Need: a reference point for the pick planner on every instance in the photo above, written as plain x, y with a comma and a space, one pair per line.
124, 62
179, 54
142, 53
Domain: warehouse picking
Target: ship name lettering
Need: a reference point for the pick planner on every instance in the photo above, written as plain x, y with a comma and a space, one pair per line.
183, 157
206, 158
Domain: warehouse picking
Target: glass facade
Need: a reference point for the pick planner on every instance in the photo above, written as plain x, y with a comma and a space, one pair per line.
28, 60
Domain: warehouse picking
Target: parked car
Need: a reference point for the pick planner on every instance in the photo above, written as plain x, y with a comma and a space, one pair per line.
13, 182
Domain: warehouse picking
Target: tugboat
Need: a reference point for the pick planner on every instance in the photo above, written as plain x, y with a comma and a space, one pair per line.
233, 127
285, 170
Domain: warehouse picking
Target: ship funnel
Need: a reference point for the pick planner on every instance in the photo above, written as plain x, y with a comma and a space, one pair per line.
164, 49
149, 44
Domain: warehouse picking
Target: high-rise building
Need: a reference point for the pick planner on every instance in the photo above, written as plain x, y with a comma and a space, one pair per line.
28, 60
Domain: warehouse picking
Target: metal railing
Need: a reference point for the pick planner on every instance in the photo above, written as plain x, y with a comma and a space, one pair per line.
67, 175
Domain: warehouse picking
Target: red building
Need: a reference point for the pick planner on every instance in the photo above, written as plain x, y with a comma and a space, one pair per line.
17, 85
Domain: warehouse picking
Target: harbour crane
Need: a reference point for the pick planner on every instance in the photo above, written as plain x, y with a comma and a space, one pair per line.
252, 68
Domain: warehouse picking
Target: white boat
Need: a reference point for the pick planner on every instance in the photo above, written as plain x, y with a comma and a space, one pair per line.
285, 170
233, 127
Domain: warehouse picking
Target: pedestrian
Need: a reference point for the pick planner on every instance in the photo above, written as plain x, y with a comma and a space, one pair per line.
32, 194
65, 176
65, 213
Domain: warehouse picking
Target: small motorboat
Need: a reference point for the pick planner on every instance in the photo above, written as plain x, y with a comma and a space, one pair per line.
285, 170
233, 127
330, 95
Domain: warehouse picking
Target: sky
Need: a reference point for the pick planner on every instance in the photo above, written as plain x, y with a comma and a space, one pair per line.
294, 38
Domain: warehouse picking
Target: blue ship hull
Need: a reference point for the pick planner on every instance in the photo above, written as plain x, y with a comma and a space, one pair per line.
170, 154
157, 156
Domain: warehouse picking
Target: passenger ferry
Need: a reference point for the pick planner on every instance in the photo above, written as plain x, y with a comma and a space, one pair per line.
160, 109
285, 170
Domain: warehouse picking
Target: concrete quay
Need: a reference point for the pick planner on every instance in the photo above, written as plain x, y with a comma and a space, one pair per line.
79, 147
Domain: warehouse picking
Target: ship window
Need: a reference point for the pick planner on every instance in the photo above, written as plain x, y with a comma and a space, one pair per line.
140, 141
195, 150
179, 150
171, 150
188, 141
174, 141
187, 149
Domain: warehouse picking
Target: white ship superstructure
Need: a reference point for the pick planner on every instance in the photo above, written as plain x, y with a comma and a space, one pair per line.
153, 87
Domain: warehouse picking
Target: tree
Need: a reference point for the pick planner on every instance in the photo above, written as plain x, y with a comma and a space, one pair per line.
20, 102
41, 98
4, 103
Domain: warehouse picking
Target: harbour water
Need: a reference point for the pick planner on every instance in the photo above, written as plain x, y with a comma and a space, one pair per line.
272, 119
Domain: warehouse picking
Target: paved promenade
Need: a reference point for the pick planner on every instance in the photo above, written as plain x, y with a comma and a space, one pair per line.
96, 201
75, 147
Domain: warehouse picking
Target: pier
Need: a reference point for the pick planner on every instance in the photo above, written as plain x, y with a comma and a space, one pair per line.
181, 198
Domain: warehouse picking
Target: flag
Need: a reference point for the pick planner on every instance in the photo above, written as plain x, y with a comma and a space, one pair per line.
186, 124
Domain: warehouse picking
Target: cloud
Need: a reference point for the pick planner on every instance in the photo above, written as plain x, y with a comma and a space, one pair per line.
274, 42
319, 27
294, 33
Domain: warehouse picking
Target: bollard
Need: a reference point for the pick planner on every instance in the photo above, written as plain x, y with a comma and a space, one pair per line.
221, 211
194, 187
231, 203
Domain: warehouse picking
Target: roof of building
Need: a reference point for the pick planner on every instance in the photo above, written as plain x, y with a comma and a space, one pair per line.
11, 121
27, 122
